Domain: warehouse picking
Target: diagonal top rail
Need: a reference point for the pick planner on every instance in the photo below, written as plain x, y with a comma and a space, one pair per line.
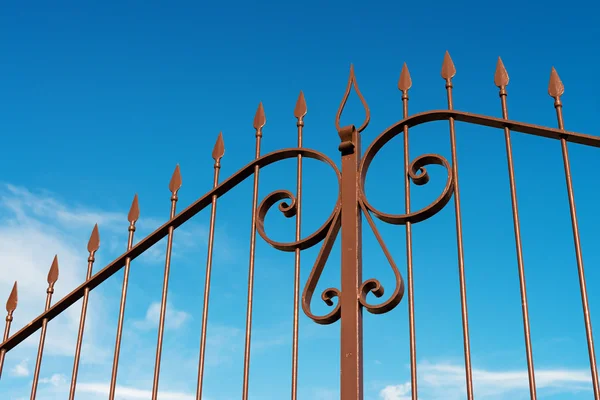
248, 170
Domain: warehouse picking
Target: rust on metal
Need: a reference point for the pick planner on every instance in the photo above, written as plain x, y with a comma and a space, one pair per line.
501, 80
353, 83
11, 306
259, 119
300, 109
405, 82
53, 272
448, 69
217, 154
175, 183
132, 217
94, 242
13, 299
556, 89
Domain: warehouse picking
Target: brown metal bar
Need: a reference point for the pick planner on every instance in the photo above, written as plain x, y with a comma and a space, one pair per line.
299, 113
248, 170
556, 90
448, 72
93, 246
501, 80
132, 217
218, 152
259, 123
404, 85
52, 278
174, 187
11, 306
351, 311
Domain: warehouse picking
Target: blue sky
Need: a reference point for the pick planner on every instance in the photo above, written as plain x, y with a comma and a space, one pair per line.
100, 100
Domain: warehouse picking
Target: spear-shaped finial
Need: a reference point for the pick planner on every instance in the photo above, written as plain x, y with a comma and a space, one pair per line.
13, 299
94, 242
352, 82
555, 87
501, 76
448, 69
405, 82
300, 110
219, 149
134, 211
53, 273
259, 119
175, 183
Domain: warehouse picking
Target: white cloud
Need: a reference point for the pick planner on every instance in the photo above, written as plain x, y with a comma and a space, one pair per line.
130, 393
174, 318
21, 369
447, 381
55, 380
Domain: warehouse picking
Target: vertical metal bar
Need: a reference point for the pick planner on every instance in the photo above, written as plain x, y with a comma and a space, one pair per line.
351, 384
299, 113
174, 187
93, 246
448, 72
52, 278
404, 85
132, 217
218, 152
501, 80
556, 90
11, 306
259, 123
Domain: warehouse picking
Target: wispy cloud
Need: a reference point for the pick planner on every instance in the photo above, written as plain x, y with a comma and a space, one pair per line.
21, 369
131, 393
447, 381
174, 318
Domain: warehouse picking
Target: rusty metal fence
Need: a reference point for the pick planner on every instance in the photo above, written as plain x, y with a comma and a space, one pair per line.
347, 302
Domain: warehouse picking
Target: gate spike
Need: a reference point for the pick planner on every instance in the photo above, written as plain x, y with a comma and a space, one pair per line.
134, 211
53, 273
405, 82
352, 82
555, 87
448, 69
175, 183
501, 76
259, 118
94, 243
13, 299
300, 110
219, 149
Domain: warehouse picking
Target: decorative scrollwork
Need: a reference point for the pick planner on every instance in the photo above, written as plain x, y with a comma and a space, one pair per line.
373, 285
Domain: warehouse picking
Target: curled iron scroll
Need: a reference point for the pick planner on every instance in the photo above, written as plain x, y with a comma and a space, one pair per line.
326, 233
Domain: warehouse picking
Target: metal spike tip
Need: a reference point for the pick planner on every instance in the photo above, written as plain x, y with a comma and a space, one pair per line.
175, 183
13, 299
555, 87
448, 69
53, 273
134, 211
219, 149
501, 76
300, 110
94, 242
352, 82
259, 118
404, 83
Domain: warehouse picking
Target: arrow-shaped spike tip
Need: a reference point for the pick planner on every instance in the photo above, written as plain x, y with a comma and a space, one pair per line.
405, 82
300, 110
501, 76
134, 211
259, 118
94, 242
175, 183
555, 87
219, 149
13, 299
448, 69
53, 273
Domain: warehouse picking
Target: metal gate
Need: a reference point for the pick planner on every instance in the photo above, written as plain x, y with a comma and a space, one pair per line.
349, 300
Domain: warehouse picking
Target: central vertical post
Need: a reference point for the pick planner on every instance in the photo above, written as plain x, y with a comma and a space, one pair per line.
351, 382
